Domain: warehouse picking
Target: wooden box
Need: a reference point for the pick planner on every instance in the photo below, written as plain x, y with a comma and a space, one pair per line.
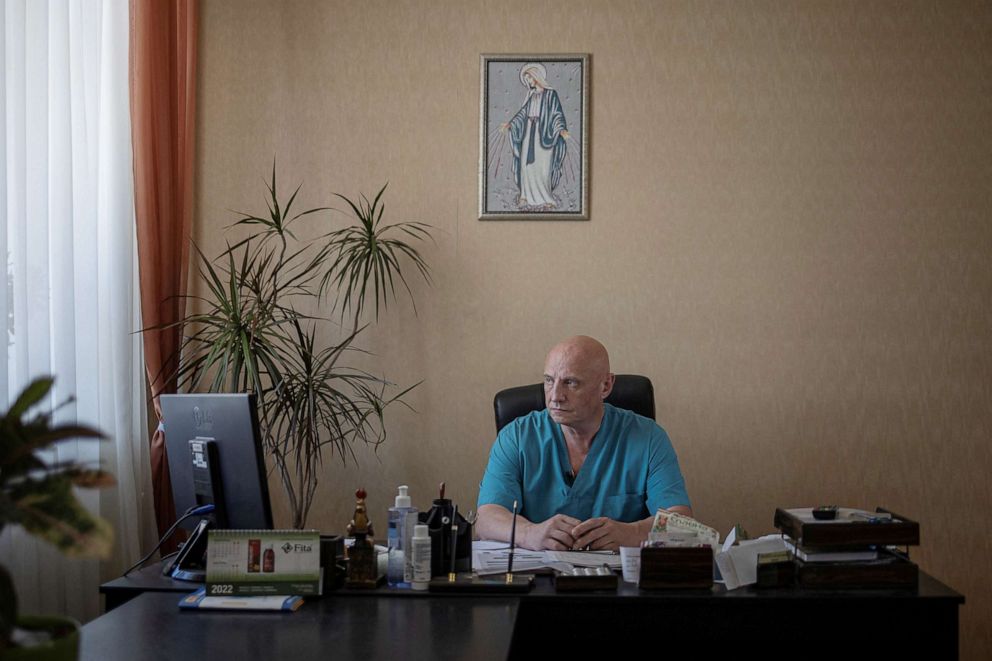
846, 534
670, 568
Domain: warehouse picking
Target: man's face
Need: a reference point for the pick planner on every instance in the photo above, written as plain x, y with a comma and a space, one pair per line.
574, 387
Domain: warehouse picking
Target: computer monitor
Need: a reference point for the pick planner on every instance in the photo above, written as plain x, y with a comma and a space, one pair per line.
215, 457
231, 422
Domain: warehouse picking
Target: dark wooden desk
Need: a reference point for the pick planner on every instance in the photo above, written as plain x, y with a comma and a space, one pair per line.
151, 626
802, 623
402, 624
150, 579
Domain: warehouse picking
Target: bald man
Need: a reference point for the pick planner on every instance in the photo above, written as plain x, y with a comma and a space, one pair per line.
585, 474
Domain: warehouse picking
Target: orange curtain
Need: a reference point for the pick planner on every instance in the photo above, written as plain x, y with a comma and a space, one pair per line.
163, 102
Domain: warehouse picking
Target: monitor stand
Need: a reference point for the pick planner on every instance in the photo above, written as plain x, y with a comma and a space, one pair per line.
191, 562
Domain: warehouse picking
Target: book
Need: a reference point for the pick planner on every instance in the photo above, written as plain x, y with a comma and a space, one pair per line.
199, 599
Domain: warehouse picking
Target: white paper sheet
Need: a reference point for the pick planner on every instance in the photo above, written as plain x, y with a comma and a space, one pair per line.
739, 564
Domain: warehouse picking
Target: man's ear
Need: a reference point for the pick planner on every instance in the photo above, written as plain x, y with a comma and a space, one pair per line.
608, 384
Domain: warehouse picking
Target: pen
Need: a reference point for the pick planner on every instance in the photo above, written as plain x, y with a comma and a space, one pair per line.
870, 518
513, 538
454, 543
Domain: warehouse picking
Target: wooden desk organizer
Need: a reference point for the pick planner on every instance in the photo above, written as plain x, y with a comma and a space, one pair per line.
835, 535
676, 568
891, 570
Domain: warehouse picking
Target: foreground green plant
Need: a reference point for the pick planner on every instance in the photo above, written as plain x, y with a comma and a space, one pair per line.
37, 492
250, 334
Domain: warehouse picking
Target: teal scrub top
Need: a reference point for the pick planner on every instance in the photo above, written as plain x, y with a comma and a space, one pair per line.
631, 470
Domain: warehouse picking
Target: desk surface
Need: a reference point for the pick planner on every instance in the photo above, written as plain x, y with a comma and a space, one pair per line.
152, 627
391, 624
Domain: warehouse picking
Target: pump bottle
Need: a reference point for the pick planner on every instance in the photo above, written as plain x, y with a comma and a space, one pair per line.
402, 519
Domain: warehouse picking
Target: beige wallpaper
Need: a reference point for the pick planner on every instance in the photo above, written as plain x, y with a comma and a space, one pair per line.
789, 235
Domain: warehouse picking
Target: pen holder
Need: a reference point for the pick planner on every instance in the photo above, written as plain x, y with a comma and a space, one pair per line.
333, 565
670, 568
438, 521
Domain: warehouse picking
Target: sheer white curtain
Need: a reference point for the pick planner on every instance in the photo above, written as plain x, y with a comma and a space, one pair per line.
70, 298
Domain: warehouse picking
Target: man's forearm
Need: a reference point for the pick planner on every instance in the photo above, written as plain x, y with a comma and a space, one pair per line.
681, 509
643, 528
556, 533
615, 533
496, 522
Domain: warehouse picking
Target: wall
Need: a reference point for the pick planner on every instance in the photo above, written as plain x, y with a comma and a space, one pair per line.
790, 235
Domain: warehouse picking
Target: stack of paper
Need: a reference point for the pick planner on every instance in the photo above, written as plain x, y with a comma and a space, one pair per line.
492, 558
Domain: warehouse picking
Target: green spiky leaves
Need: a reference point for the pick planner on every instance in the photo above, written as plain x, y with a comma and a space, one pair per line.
252, 331
365, 258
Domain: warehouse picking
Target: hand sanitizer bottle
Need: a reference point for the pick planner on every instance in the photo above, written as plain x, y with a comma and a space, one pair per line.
402, 519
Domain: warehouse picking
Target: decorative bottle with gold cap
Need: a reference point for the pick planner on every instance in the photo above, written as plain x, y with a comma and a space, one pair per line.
362, 566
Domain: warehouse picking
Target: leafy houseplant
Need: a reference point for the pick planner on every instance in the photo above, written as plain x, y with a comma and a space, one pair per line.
37, 495
251, 332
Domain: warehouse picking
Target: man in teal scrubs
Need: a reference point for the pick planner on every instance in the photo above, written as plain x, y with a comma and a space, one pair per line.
585, 474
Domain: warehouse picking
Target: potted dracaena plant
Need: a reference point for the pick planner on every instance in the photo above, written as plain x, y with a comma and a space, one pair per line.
250, 331
36, 492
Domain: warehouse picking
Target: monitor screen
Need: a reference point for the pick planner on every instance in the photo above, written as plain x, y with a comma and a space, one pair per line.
230, 421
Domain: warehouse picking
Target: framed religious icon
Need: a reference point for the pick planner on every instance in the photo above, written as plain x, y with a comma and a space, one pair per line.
534, 137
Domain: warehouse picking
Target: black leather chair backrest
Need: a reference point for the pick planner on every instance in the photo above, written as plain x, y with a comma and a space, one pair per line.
630, 391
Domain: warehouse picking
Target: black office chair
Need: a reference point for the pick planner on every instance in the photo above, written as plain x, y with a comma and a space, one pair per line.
630, 391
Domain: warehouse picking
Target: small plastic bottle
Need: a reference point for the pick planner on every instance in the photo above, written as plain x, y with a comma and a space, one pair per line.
402, 518
420, 548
